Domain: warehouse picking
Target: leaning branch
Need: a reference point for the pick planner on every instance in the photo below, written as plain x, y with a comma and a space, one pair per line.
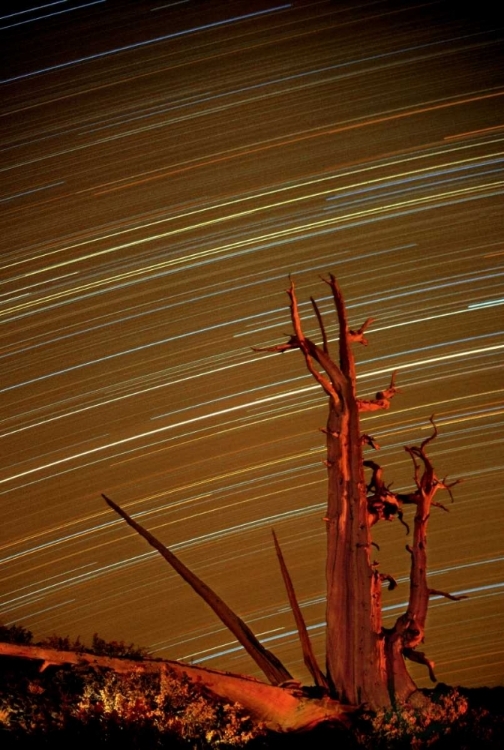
268, 662
321, 325
308, 655
278, 708
310, 350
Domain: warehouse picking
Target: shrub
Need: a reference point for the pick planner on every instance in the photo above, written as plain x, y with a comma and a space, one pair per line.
15, 634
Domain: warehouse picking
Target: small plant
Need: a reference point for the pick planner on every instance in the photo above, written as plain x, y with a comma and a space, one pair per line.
15, 634
63, 643
140, 710
429, 723
117, 649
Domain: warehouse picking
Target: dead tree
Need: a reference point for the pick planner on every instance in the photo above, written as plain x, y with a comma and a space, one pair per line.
365, 662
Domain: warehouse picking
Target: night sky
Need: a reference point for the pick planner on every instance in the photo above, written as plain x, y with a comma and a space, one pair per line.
164, 167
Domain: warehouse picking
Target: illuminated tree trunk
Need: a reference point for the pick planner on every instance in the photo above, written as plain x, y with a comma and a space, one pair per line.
365, 662
355, 653
355, 648
280, 709
408, 632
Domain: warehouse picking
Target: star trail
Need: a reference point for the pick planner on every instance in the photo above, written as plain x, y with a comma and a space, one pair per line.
165, 168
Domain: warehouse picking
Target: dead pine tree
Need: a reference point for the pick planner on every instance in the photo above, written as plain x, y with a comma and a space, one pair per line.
365, 662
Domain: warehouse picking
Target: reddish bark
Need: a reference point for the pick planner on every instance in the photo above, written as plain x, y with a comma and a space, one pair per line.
308, 655
365, 662
355, 655
268, 662
280, 709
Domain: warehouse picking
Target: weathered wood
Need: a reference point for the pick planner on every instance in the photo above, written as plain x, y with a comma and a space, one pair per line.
281, 709
268, 662
355, 654
365, 661
308, 655
409, 630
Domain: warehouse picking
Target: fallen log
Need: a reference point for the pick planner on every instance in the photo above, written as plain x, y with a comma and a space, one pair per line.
287, 708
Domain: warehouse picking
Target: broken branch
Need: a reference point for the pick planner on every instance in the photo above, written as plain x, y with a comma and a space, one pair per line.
308, 655
268, 662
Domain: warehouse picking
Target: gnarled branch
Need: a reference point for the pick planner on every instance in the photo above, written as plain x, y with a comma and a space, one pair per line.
392, 583
382, 503
369, 440
420, 658
357, 337
382, 398
453, 597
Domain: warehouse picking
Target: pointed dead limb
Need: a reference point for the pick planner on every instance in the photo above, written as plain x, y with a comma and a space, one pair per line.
308, 655
321, 325
392, 583
357, 337
313, 352
369, 440
346, 357
453, 597
420, 658
268, 662
290, 344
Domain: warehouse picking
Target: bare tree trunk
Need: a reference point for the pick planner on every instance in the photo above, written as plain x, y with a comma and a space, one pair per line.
365, 662
355, 648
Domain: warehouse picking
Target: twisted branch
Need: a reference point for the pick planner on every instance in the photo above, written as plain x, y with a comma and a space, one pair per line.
382, 398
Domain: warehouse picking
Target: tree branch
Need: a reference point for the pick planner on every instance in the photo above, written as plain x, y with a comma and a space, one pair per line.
391, 581
420, 658
357, 337
382, 398
279, 708
308, 655
346, 356
369, 440
268, 662
382, 503
321, 325
453, 597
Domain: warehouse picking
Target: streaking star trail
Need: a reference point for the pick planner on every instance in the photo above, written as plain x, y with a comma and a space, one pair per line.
165, 167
